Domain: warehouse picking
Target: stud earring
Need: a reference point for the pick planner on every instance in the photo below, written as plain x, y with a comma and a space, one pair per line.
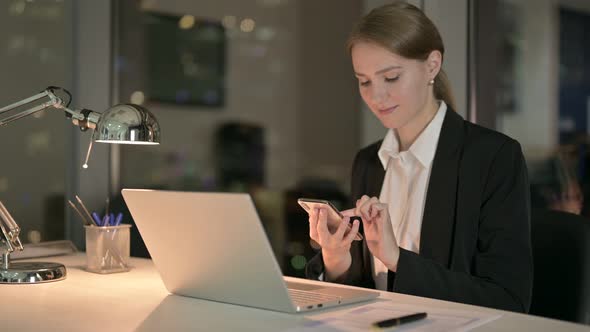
431, 82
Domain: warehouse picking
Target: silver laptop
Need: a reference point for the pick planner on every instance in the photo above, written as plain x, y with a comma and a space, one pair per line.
213, 246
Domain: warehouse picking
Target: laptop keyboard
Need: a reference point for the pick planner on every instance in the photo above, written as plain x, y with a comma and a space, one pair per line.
302, 298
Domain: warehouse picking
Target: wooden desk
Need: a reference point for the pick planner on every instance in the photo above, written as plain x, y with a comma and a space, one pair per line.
137, 300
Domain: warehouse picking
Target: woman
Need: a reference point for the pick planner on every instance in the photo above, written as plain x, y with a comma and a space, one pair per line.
444, 203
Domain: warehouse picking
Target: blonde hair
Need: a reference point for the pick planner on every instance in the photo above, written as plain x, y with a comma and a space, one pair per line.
405, 30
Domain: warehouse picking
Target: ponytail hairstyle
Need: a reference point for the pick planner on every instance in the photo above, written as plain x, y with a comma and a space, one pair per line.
405, 30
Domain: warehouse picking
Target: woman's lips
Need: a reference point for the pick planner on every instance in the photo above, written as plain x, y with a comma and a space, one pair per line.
389, 110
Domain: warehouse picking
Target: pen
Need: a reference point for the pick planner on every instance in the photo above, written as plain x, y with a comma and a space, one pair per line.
105, 220
119, 219
96, 219
399, 320
79, 213
85, 209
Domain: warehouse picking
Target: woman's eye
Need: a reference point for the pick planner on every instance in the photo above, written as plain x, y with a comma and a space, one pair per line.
392, 79
365, 83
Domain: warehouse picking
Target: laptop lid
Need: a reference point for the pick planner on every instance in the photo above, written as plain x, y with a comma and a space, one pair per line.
210, 246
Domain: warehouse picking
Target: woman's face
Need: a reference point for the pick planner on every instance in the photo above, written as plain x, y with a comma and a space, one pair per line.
396, 89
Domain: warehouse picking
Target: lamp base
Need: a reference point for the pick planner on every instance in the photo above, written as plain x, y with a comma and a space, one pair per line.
32, 273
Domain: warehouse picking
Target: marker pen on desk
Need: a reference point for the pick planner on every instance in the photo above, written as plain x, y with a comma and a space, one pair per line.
399, 320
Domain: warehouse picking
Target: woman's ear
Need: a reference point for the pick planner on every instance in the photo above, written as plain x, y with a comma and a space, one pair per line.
434, 63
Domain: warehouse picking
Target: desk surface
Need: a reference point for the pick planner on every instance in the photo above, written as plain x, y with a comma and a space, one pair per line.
138, 300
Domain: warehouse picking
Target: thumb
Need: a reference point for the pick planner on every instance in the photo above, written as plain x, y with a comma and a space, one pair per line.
382, 209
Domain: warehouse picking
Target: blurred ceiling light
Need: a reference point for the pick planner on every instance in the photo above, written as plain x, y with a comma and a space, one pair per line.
228, 22
247, 25
186, 22
137, 97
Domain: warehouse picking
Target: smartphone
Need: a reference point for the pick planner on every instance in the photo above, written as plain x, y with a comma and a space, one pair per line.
334, 217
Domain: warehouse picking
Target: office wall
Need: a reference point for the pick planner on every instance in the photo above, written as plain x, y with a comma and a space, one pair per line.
534, 122
260, 87
328, 115
35, 52
292, 83
92, 84
450, 17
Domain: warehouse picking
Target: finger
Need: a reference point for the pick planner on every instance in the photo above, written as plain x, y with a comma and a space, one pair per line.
352, 234
364, 209
348, 213
361, 200
313, 225
384, 220
322, 228
373, 211
367, 224
313, 216
359, 203
382, 210
342, 228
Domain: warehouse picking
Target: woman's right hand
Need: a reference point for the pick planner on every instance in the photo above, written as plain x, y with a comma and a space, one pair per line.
335, 244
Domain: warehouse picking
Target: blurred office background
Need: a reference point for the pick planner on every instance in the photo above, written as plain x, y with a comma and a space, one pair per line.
258, 96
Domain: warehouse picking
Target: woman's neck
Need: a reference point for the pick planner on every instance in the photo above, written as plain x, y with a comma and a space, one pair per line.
410, 132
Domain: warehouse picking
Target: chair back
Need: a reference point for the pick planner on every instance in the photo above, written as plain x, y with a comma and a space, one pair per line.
561, 251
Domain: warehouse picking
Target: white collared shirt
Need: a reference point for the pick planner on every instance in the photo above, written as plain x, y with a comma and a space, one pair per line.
407, 174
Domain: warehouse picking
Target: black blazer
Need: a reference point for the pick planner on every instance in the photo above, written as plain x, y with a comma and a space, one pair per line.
475, 239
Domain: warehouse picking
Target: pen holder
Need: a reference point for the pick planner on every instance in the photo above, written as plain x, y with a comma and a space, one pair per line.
107, 248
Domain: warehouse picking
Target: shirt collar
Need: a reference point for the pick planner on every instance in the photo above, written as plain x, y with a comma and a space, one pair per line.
389, 148
423, 148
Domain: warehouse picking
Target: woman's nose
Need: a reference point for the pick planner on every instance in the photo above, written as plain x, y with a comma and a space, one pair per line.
378, 95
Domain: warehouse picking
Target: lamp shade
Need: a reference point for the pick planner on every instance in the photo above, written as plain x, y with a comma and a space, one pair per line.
127, 124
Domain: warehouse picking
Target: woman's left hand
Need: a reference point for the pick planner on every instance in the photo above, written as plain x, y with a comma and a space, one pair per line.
378, 230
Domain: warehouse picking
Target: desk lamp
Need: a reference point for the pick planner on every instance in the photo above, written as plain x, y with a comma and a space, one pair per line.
120, 124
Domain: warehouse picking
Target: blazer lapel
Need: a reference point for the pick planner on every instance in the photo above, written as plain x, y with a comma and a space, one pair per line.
440, 208
375, 175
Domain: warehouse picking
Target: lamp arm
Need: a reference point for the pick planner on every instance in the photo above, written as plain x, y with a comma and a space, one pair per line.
84, 119
10, 232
